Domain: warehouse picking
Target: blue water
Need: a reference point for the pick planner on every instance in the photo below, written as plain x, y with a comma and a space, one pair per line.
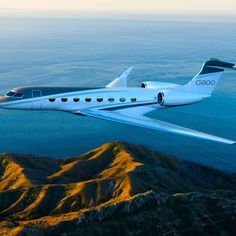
91, 52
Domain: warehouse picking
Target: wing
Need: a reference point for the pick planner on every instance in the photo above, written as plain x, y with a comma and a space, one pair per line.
121, 81
135, 117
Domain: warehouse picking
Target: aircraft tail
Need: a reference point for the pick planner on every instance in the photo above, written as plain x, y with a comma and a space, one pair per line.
205, 81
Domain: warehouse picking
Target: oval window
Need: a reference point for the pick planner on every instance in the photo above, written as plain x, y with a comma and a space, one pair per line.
76, 99
99, 99
64, 99
88, 99
122, 99
133, 99
52, 99
111, 99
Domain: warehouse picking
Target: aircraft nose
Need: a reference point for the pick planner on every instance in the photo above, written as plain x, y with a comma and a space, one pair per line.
1, 100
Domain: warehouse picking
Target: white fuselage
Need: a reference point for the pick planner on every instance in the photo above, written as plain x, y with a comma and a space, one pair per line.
80, 100
99, 97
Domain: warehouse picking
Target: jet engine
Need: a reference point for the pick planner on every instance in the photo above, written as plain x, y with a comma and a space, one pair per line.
177, 98
157, 85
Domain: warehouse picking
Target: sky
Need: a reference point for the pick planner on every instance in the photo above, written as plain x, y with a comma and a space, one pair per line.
178, 6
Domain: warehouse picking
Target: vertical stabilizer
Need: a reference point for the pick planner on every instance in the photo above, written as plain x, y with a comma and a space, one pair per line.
205, 81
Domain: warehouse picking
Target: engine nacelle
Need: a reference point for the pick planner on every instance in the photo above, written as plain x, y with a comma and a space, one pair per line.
177, 98
157, 85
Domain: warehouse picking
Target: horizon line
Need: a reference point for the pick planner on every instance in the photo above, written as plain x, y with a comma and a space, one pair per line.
122, 12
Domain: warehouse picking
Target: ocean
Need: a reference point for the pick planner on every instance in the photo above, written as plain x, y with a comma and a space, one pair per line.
77, 51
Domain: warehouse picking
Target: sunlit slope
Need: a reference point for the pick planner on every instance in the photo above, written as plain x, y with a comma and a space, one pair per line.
46, 193
47, 186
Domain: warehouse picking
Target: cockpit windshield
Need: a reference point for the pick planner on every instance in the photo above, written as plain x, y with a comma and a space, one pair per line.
18, 95
10, 94
15, 94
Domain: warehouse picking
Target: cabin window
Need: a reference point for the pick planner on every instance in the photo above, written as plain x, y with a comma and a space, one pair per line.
99, 99
18, 95
88, 99
52, 99
64, 99
111, 99
76, 99
122, 99
133, 99
10, 94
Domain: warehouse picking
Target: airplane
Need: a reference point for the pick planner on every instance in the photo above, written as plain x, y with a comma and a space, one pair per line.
127, 105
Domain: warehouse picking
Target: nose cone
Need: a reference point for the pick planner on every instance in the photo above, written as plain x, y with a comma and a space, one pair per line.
2, 101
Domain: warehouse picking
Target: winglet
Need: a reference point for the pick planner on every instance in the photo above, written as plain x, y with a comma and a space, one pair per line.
121, 81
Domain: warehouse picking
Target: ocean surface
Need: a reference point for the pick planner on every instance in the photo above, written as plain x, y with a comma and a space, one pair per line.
92, 52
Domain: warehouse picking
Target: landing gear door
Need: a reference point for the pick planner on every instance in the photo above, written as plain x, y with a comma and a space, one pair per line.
36, 99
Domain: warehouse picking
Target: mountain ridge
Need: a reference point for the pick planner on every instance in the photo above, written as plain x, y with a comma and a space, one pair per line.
44, 196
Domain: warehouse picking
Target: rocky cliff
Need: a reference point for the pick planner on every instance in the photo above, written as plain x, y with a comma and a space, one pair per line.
118, 189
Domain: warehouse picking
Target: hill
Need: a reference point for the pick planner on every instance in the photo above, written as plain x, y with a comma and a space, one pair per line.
115, 189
